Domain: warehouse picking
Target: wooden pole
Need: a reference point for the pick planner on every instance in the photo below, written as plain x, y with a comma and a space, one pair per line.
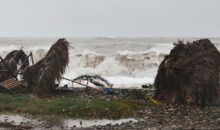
79, 83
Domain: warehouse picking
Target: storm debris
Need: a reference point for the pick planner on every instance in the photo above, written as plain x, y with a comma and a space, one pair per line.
41, 77
189, 74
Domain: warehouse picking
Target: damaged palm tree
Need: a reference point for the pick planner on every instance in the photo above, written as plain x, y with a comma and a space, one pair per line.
8, 65
189, 74
42, 76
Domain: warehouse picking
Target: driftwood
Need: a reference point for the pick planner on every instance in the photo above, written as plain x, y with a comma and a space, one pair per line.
42, 76
97, 80
189, 74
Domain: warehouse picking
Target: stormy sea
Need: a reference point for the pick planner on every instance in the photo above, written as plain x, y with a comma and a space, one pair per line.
125, 62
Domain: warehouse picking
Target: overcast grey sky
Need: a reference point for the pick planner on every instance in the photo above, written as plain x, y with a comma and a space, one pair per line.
123, 18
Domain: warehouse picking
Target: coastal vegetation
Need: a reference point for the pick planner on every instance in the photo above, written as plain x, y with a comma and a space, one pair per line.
71, 106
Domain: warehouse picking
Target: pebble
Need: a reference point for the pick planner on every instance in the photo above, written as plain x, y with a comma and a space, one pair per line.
218, 120
175, 118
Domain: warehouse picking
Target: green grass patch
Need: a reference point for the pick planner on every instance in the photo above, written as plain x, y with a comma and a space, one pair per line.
71, 106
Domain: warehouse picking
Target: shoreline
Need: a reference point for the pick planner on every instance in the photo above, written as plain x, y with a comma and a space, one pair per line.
154, 117
127, 105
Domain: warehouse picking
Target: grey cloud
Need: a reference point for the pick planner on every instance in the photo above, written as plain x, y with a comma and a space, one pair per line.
75, 18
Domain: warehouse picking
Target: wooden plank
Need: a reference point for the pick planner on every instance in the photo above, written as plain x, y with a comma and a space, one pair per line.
16, 84
6, 82
11, 83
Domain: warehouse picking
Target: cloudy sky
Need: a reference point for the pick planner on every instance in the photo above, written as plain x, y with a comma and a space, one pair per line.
118, 18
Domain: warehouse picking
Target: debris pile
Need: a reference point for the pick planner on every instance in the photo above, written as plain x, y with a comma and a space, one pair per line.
189, 74
41, 77
8, 65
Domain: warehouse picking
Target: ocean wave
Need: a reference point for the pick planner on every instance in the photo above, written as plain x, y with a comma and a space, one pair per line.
128, 62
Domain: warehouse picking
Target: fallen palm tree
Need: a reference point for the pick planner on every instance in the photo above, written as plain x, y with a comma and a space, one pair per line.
42, 76
189, 74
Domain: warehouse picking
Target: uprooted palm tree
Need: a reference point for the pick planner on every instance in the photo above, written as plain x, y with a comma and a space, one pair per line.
42, 76
189, 74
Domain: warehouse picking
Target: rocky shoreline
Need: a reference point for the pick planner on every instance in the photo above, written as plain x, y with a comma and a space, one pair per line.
152, 117
173, 117
155, 117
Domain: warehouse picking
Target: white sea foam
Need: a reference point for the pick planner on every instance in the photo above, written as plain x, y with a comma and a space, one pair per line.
126, 62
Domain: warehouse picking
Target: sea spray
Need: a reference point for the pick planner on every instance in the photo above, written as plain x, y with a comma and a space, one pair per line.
126, 62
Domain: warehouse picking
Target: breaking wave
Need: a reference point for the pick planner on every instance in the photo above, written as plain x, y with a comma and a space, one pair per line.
121, 61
